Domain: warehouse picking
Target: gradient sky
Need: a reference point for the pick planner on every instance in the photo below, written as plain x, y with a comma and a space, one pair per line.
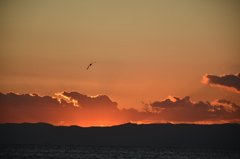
145, 50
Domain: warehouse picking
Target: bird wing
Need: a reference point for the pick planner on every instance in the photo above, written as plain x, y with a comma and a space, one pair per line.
88, 67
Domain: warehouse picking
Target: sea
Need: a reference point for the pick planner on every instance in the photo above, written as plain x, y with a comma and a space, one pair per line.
112, 152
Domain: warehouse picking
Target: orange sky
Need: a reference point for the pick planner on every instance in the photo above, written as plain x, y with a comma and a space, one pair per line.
146, 51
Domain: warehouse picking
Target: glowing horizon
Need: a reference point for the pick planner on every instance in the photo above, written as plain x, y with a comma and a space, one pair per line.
74, 108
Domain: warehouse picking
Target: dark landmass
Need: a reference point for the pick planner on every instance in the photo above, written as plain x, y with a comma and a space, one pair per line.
159, 135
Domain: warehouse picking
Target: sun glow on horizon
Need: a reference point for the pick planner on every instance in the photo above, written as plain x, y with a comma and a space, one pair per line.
100, 110
100, 124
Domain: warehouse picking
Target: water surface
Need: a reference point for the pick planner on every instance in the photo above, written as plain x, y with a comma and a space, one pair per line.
112, 152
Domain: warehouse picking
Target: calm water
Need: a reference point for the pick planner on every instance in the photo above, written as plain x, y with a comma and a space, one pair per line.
105, 152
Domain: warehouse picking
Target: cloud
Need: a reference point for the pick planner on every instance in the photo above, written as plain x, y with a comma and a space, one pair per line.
74, 108
230, 82
31, 108
69, 108
28, 100
99, 102
185, 110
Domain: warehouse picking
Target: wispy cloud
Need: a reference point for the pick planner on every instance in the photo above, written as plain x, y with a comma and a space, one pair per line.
230, 81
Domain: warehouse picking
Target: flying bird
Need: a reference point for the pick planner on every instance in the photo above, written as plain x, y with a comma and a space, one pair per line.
91, 64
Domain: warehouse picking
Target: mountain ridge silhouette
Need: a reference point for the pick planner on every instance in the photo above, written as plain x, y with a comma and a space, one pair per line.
128, 134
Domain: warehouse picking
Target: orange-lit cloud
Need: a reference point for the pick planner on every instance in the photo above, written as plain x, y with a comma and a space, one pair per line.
87, 102
230, 82
100, 110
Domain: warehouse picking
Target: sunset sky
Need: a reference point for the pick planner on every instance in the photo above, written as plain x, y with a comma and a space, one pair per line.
154, 54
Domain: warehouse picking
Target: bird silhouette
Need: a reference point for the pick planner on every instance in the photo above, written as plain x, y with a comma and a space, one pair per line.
91, 64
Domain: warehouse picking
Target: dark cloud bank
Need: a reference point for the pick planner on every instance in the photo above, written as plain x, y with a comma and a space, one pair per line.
74, 108
230, 81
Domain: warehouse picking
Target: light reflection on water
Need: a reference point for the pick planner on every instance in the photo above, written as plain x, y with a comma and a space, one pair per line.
111, 152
